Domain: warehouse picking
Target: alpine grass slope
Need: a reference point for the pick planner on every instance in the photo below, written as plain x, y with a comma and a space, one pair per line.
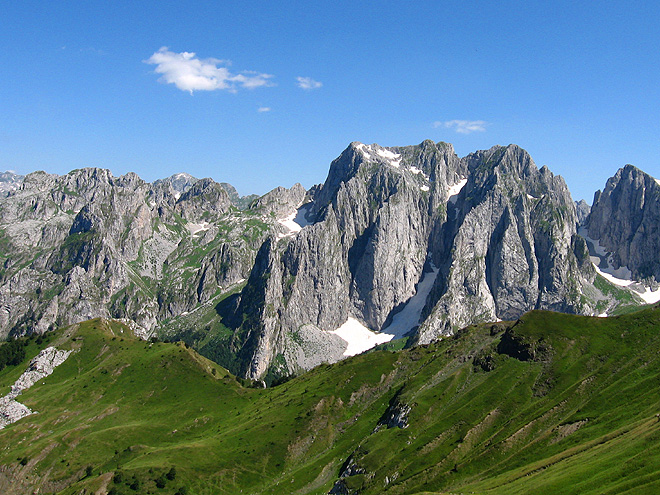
548, 403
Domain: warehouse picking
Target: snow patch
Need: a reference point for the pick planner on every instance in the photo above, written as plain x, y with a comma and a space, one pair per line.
408, 318
621, 276
290, 223
361, 338
387, 154
358, 337
649, 296
657, 181
295, 222
529, 196
453, 191
415, 170
372, 152
424, 188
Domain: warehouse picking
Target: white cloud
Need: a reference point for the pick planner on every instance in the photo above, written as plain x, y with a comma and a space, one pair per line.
263, 109
189, 73
308, 83
463, 126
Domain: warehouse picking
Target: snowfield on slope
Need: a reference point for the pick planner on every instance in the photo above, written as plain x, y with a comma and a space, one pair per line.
360, 338
295, 222
621, 276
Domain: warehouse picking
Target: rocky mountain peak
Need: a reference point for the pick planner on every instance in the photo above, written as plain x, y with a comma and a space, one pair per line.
38, 180
281, 202
582, 209
495, 233
180, 182
9, 182
398, 242
204, 198
240, 202
625, 220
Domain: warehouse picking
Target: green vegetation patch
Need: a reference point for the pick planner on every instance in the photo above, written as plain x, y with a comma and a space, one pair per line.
552, 403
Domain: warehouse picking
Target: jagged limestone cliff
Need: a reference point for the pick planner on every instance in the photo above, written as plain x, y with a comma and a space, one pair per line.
88, 244
500, 233
398, 242
625, 219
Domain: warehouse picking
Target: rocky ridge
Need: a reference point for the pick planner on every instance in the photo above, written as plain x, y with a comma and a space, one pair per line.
625, 219
410, 242
9, 181
501, 233
40, 367
88, 244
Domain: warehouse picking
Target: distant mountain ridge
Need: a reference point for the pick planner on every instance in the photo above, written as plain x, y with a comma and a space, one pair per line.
88, 244
9, 181
625, 218
405, 242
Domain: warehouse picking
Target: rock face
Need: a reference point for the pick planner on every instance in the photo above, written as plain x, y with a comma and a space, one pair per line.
512, 246
87, 245
625, 219
40, 367
501, 232
9, 181
404, 241
582, 209
180, 182
240, 202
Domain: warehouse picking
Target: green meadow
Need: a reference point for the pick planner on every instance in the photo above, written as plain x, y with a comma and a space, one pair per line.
551, 403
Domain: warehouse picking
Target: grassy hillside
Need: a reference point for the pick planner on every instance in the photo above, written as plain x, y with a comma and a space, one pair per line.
549, 404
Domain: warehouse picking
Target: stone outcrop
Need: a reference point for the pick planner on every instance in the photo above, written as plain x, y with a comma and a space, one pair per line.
40, 367
396, 415
625, 220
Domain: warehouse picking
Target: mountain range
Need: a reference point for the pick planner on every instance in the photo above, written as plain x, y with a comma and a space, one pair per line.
402, 244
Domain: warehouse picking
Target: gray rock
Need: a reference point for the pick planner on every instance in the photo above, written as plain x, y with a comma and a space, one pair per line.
582, 209
240, 202
180, 182
500, 232
87, 245
9, 182
40, 367
511, 248
625, 219
505, 243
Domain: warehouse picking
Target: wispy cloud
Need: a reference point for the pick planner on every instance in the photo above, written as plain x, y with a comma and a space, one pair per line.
190, 73
263, 109
463, 126
307, 83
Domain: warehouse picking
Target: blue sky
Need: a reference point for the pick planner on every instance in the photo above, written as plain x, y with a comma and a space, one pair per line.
261, 94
